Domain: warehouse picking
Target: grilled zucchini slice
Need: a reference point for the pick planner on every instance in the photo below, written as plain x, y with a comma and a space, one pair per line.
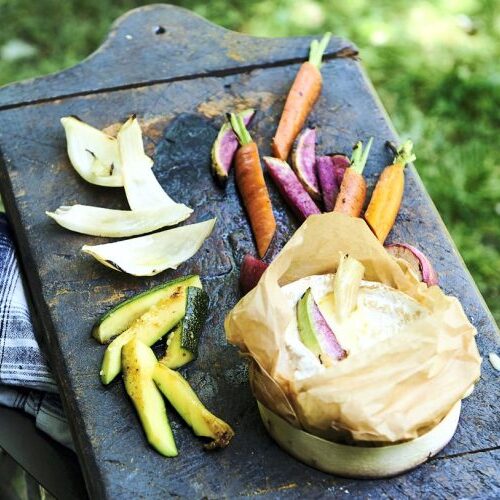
139, 363
182, 344
148, 328
182, 397
123, 315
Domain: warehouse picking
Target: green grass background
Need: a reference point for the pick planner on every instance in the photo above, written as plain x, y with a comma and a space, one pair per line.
434, 63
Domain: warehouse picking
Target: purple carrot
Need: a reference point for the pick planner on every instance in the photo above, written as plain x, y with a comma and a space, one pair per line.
327, 181
290, 188
250, 272
304, 160
225, 147
330, 170
340, 163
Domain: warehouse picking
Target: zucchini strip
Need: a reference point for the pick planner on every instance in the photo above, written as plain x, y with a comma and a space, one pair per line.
141, 186
182, 343
139, 362
182, 397
120, 317
152, 254
94, 154
175, 355
96, 221
148, 328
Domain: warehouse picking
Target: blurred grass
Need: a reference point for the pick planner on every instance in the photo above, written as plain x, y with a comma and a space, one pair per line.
434, 64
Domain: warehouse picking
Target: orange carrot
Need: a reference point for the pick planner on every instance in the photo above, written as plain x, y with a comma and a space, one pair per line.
252, 187
301, 98
388, 194
352, 194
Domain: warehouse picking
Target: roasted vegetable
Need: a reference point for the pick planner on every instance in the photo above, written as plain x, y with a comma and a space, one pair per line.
330, 171
97, 221
148, 328
301, 98
327, 182
141, 186
352, 192
417, 261
252, 187
139, 363
182, 397
340, 164
290, 188
182, 343
118, 319
314, 331
152, 254
225, 147
346, 286
304, 161
93, 154
251, 271
388, 194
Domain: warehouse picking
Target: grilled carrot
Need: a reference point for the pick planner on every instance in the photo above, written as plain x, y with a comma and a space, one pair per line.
252, 187
301, 98
352, 192
388, 194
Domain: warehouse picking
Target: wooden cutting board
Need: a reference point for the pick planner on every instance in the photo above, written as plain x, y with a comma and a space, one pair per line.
180, 74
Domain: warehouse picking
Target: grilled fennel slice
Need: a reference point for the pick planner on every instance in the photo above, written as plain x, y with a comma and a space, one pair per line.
141, 186
94, 154
107, 222
151, 254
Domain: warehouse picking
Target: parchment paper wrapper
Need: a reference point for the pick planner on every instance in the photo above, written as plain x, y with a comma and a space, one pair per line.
395, 391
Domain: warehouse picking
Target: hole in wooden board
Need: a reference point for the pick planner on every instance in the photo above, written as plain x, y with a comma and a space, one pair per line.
159, 30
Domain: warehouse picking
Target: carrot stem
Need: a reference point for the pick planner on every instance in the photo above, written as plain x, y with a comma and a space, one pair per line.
405, 154
240, 129
318, 49
360, 155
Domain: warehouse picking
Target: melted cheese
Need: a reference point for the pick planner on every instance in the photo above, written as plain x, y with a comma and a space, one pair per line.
381, 312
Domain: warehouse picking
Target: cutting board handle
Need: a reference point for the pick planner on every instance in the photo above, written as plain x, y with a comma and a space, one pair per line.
161, 43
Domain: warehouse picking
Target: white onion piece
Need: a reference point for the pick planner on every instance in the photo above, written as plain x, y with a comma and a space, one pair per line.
152, 254
141, 186
93, 154
107, 222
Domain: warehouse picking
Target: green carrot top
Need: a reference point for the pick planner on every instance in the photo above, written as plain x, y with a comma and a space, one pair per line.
318, 49
405, 154
240, 129
360, 155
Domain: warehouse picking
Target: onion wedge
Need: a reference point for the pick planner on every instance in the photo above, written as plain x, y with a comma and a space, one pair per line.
96, 221
141, 186
346, 285
152, 254
94, 154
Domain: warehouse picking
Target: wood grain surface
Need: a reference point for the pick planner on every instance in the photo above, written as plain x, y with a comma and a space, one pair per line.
180, 87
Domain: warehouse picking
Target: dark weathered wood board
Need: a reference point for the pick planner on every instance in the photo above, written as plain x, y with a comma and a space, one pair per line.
180, 113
